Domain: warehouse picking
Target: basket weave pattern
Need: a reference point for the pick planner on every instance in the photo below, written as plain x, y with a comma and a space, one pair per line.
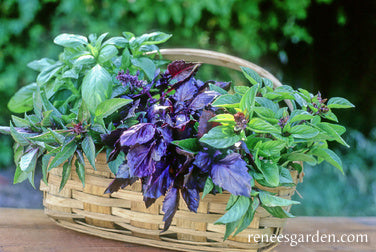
123, 215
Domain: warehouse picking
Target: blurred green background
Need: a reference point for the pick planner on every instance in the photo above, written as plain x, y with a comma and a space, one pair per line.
324, 45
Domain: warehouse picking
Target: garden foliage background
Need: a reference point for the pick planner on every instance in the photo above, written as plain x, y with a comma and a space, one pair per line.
326, 45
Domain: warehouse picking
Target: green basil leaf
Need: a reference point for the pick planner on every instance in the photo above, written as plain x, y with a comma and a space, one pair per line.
20, 122
209, 185
248, 216
117, 41
80, 167
330, 130
224, 119
189, 144
338, 102
220, 137
45, 161
220, 90
272, 201
22, 100
303, 131
227, 101
231, 201
29, 160
259, 125
247, 102
299, 115
84, 60
48, 73
19, 175
271, 148
66, 152
154, 38
251, 75
296, 156
40, 65
70, 40
67, 167
106, 53
330, 156
83, 113
146, 65
108, 107
270, 172
96, 87
278, 212
238, 209
89, 149
115, 164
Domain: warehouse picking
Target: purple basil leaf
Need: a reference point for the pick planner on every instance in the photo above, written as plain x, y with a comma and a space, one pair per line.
122, 179
231, 173
181, 70
149, 201
166, 133
203, 161
132, 110
110, 139
159, 150
140, 161
224, 85
203, 123
185, 91
158, 182
170, 205
202, 100
189, 191
137, 134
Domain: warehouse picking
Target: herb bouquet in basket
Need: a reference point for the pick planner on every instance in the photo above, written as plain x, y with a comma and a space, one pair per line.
182, 154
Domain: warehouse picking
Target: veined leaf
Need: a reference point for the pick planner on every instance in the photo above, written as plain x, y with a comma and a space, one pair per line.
208, 187
273, 201
29, 160
339, 102
66, 152
270, 172
227, 101
22, 100
67, 167
238, 209
278, 212
70, 40
329, 156
108, 107
89, 149
220, 137
259, 125
251, 75
248, 216
247, 102
303, 131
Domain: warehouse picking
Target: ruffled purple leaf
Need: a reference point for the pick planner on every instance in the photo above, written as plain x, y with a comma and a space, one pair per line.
111, 138
122, 179
224, 85
203, 161
185, 91
138, 134
170, 206
140, 160
159, 181
204, 125
231, 173
181, 70
190, 191
202, 100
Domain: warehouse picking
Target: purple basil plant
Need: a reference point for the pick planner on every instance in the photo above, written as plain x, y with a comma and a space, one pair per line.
163, 150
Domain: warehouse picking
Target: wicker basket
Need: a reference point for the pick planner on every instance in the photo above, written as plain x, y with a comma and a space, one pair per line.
122, 215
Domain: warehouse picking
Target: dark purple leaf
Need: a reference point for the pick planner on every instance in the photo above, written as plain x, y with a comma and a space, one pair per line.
132, 110
185, 91
140, 161
181, 70
158, 182
149, 201
122, 179
170, 205
203, 161
166, 133
224, 85
203, 124
110, 139
202, 100
159, 150
231, 173
189, 191
137, 134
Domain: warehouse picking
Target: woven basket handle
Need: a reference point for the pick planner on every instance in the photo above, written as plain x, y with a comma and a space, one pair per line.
217, 59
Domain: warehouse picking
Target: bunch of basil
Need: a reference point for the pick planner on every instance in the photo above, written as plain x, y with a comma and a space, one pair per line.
179, 135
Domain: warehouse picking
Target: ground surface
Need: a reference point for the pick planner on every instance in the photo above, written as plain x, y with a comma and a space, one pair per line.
21, 195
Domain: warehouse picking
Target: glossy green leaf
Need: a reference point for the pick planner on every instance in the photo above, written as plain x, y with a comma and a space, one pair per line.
96, 87
278, 212
188, 144
67, 167
106, 53
251, 75
108, 107
271, 172
247, 102
89, 149
238, 209
22, 100
209, 185
66, 152
29, 160
329, 156
227, 101
146, 65
338, 102
259, 125
220, 137
248, 216
270, 200
303, 131
70, 40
